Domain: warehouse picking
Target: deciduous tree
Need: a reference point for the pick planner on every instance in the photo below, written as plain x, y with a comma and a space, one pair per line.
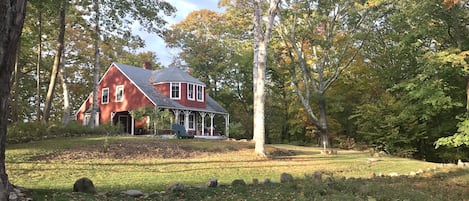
12, 14
322, 39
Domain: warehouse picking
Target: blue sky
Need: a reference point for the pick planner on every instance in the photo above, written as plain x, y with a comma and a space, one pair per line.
184, 7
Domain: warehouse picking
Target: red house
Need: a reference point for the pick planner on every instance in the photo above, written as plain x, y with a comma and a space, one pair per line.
124, 88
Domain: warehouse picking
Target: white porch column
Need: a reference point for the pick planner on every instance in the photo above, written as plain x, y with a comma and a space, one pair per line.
176, 115
202, 114
227, 125
186, 119
211, 123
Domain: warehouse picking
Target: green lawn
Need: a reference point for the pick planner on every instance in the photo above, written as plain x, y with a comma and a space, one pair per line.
49, 168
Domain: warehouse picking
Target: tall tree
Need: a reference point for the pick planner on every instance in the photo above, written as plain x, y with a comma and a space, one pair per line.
57, 62
323, 39
117, 19
65, 92
12, 14
38, 64
262, 33
96, 74
420, 75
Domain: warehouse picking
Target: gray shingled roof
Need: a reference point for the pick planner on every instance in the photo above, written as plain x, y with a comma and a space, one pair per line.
144, 79
174, 75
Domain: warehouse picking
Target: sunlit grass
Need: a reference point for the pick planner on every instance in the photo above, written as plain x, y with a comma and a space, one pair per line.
227, 161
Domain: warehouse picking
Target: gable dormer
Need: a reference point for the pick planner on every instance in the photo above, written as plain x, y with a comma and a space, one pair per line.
179, 86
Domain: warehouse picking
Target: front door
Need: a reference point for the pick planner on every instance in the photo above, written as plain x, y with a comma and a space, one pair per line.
124, 122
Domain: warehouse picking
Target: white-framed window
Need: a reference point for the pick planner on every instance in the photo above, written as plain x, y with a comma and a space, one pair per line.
120, 93
175, 90
190, 91
191, 122
87, 118
200, 93
105, 96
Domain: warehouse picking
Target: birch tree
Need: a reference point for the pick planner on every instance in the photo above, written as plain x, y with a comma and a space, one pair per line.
262, 33
57, 62
96, 38
12, 14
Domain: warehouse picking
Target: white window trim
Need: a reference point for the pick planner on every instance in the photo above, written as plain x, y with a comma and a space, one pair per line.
171, 90
87, 118
102, 95
202, 93
117, 92
193, 91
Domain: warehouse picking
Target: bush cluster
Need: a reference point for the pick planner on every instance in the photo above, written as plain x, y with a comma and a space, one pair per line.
33, 131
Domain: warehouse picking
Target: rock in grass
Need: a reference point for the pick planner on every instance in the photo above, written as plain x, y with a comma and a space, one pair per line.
176, 187
317, 176
212, 183
255, 181
285, 178
133, 193
238, 182
393, 174
84, 185
267, 181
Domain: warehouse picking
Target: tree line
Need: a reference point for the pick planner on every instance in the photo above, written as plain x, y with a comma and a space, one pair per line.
387, 74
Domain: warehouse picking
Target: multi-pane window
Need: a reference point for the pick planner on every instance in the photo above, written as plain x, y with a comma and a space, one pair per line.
200, 93
175, 90
191, 122
190, 92
120, 93
105, 96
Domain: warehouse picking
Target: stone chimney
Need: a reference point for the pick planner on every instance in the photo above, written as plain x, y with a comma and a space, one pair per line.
146, 65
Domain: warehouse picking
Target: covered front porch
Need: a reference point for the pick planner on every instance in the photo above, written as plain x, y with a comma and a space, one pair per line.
197, 123
202, 123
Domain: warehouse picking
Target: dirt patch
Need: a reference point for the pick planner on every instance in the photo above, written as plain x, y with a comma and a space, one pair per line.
127, 151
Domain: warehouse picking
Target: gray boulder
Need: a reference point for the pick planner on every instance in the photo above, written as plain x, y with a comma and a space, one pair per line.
84, 185
176, 187
212, 183
317, 176
238, 182
285, 178
133, 193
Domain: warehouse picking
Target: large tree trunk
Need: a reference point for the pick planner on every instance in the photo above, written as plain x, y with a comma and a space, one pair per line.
38, 66
66, 94
12, 14
467, 96
57, 62
261, 41
323, 129
94, 107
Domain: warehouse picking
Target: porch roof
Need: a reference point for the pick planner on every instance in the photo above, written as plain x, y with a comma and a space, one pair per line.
144, 79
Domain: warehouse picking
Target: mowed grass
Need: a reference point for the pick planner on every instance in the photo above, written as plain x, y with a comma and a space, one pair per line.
49, 168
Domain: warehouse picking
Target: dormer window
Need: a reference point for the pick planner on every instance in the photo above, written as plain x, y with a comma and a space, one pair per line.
200, 93
175, 90
190, 92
